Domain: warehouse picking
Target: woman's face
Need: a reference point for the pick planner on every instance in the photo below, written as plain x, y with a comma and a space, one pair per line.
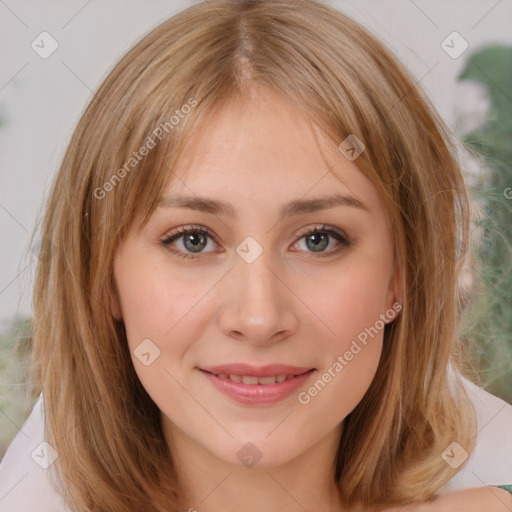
259, 288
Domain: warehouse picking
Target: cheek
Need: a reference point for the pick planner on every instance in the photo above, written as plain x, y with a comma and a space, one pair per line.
156, 304
153, 299
350, 305
351, 345
350, 308
145, 304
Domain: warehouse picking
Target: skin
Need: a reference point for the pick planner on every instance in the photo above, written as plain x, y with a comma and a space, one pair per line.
481, 499
289, 306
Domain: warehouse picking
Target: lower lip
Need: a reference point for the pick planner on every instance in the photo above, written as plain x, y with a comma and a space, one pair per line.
255, 394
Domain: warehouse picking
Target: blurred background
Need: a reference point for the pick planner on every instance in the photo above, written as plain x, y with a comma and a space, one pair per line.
54, 54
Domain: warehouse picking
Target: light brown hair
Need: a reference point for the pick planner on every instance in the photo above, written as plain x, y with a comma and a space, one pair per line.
103, 424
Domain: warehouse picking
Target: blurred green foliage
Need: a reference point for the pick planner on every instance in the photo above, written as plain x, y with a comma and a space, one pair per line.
16, 396
490, 319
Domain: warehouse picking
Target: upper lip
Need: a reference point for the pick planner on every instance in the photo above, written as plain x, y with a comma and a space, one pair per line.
256, 371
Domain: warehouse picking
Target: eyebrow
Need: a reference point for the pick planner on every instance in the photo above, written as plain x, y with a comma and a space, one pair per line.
296, 207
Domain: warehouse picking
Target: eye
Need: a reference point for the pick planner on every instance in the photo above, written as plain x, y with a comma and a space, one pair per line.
194, 239
317, 240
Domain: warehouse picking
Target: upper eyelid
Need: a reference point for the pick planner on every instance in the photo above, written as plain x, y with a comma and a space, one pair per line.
182, 231
200, 227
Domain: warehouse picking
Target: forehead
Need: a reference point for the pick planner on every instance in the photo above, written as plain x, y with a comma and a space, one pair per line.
264, 148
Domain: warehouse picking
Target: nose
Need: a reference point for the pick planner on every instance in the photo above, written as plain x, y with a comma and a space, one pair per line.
259, 306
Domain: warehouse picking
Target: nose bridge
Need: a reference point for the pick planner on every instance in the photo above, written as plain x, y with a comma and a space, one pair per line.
256, 276
256, 309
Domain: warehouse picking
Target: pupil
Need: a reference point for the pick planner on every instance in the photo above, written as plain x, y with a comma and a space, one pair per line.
195, 239
318, 238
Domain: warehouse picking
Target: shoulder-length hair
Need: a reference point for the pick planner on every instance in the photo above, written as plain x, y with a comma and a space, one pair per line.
103, 424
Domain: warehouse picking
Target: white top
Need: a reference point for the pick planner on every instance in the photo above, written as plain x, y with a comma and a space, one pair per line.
26, 486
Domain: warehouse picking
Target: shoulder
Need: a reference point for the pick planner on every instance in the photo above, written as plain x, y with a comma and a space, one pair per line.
490, 464
481, 499
25, 470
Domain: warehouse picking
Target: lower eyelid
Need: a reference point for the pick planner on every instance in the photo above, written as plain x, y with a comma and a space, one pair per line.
343, 240
342, 243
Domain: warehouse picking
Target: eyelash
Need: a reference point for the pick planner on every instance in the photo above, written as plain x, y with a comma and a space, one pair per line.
183, 231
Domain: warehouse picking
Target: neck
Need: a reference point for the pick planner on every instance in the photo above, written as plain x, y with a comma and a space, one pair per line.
210, 484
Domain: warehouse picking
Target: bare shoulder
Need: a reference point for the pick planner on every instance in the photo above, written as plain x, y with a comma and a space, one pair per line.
477, 499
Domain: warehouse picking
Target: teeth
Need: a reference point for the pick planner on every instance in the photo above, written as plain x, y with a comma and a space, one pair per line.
249, 380
267, 380
253, 380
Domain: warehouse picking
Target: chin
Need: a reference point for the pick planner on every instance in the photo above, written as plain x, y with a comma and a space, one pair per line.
253, 452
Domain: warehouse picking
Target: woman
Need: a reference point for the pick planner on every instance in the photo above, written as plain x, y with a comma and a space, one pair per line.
256, 236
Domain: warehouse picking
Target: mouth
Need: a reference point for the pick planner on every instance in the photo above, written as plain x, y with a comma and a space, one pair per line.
253, 380
251, 385
252, 375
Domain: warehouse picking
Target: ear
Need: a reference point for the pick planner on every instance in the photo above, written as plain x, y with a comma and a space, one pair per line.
115, 303
395, 288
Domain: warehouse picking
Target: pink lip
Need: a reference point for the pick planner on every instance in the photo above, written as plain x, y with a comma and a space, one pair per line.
257, 394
